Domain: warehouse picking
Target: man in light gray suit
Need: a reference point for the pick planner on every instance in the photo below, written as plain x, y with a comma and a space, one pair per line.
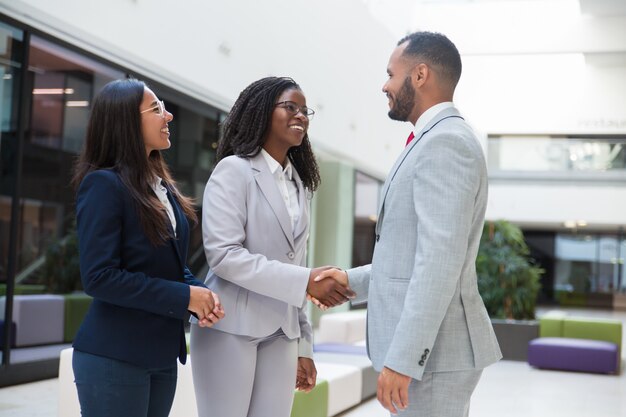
429, 334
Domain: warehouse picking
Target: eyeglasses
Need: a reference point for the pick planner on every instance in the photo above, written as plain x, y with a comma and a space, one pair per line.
293, 109
159, 107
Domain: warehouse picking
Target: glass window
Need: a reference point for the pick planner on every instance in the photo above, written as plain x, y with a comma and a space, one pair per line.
554, 154
11, 59
63, 84
587, 263
191, 158
366, 196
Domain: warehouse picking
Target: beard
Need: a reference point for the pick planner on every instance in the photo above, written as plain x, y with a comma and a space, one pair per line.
403, 103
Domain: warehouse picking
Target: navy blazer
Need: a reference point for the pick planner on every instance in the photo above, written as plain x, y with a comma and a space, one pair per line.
140, 291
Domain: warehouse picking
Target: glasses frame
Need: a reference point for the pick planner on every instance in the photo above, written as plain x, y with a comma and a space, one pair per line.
306, 111
159, 105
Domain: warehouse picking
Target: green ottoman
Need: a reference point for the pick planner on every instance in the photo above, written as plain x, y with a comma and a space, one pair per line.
76, 306
551, 327
312, 404
594, 329
24, 289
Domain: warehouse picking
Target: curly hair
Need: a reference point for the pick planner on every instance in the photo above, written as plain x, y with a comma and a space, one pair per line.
246, 127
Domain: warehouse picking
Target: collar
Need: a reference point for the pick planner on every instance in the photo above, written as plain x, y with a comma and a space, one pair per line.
158, 183
429, 114
274, 165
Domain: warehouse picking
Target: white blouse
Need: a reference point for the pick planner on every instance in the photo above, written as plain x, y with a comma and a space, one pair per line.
286, 185
161, 193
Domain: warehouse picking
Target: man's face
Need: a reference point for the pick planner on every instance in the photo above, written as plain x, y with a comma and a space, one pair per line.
398, 88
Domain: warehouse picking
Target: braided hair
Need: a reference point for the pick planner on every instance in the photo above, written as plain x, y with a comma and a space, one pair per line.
246, 127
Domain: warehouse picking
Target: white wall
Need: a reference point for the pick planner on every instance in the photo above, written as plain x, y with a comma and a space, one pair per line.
334, 49
539, 67
529, 67
551, 204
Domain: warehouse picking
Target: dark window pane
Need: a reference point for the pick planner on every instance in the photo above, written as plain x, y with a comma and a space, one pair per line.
63, 84
11, 58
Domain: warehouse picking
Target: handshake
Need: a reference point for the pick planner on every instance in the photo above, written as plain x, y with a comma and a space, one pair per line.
323, 292
326, 293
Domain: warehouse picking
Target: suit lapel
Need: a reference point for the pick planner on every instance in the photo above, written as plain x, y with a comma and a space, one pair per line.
266, 182
444, 114
176, 241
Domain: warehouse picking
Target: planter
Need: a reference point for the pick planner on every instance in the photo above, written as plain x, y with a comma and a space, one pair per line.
619, 301
513, 337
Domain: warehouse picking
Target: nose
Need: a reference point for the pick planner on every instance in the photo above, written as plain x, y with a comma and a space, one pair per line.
385, 87
301, 115
168, 116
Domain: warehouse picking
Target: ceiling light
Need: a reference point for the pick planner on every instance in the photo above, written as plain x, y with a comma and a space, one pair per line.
77, 103
57, 91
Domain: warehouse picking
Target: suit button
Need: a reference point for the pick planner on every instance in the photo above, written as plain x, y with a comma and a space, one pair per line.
377, 238
424, 356
426, 351
421, 363
291, 255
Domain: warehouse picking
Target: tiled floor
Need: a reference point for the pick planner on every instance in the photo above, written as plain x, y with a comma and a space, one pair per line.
513, 389
508, 388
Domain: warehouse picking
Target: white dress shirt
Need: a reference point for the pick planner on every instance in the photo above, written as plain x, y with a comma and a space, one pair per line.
161, 193
286, 186
428, 115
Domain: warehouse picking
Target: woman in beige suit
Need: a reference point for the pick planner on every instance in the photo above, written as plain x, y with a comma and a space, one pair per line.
255, 226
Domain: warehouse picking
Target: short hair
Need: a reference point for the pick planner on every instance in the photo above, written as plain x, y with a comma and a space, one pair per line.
436, 50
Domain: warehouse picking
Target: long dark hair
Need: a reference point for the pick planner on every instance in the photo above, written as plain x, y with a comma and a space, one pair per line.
247, 125
114, 141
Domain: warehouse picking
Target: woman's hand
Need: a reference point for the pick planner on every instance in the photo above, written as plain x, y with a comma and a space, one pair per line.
307, 374
206, 304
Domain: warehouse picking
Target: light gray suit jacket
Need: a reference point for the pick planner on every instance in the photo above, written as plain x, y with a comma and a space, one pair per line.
256, 259
424, 309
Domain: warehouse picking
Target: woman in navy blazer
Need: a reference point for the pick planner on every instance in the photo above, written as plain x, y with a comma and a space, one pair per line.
133, 238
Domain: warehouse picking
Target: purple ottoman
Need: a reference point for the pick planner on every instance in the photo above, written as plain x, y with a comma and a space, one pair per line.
340, 348
574, 354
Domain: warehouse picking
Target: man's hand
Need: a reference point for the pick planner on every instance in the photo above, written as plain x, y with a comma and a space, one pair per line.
338, 275
306, 375
393, 390
329, 292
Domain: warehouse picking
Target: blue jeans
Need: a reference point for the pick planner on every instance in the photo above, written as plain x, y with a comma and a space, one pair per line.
109, 387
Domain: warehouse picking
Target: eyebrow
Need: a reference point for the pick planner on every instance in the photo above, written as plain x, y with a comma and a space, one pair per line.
154, 103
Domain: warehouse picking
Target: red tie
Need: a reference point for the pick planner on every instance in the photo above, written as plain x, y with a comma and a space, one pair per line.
409, 139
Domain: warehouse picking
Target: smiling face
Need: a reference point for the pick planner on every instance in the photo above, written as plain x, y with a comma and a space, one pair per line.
399, 88
287, 129
154, 129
